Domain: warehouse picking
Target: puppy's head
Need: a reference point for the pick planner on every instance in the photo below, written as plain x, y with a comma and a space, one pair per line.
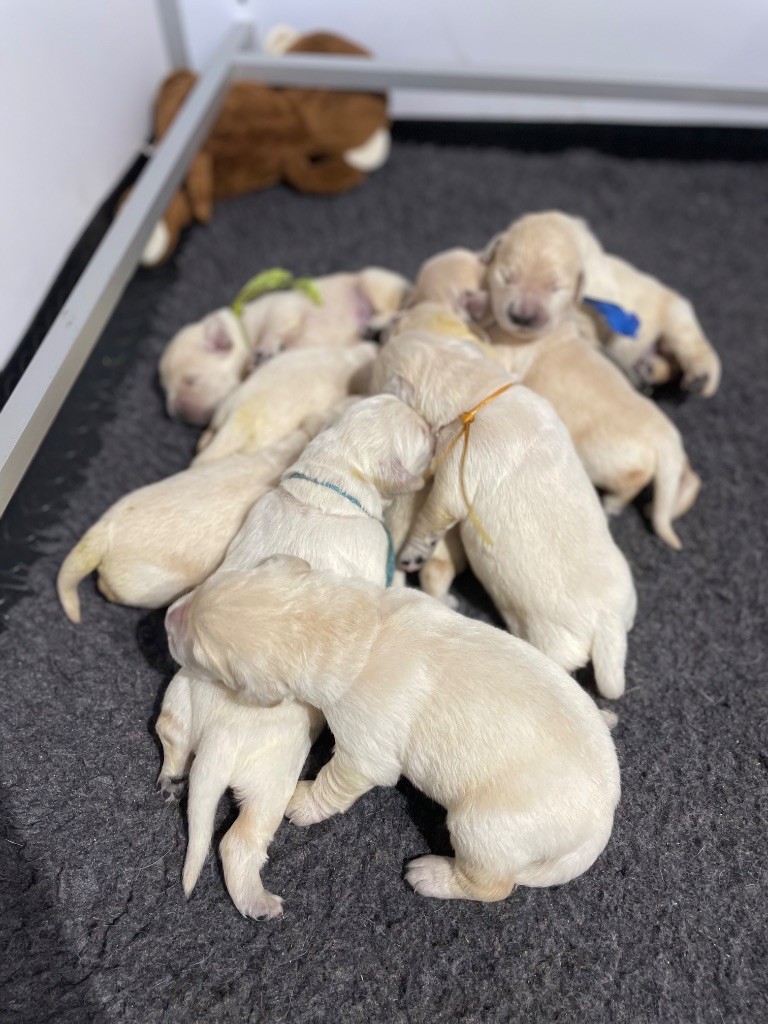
238, 627
201, 365
535, 274
385, 443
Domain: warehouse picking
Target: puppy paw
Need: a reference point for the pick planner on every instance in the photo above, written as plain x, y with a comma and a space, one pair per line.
612, 504
171, 789
302, 808
260, 905
434, 876
415, 555
696, 383
450, 602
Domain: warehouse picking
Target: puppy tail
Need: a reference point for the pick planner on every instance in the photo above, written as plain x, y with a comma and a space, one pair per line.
670, 465
208, 779
84, 557
609, 652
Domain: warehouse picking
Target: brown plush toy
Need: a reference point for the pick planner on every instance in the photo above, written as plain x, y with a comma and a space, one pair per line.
316, 140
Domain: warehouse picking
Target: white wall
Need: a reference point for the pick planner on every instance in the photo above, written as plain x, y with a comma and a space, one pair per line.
652, 41
77, 80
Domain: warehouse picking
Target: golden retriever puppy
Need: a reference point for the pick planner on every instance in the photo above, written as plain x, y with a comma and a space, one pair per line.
454, 279
531, 524
257, 753
206, 360
162, 539
280, 394
546, 264
623, 439
480, 721
328, 510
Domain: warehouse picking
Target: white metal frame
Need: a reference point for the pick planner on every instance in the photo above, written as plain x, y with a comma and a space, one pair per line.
34, 403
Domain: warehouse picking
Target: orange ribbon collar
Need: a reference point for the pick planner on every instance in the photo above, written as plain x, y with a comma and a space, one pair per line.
467, 419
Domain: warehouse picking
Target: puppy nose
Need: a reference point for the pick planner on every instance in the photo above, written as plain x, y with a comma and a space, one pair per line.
523, 316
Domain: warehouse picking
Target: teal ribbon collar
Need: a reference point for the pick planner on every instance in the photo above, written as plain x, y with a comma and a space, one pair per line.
358, 504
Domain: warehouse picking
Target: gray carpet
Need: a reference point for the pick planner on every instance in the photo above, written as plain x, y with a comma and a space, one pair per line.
669, 925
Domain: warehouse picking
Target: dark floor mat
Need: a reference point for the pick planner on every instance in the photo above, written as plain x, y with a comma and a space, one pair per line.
668, 926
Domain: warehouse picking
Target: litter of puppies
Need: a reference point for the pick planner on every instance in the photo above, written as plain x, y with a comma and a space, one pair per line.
501, 398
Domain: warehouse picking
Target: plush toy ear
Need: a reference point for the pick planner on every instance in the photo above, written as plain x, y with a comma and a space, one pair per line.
279, 39
400, 388
486, 256
217, 337
372, 154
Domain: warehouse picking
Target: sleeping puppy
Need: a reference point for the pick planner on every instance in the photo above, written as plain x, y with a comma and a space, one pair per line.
327, 510
545, 264
160, 540
531, 524
280, 394
206, 360
481, 722
455, 279
623, 439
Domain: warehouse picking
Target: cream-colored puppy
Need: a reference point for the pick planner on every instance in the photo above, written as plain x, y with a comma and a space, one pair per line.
280, 394
545, 264
229, 743
206, 360
163, 539
530, 521
624, 440
502, 737
454, 279
328, 510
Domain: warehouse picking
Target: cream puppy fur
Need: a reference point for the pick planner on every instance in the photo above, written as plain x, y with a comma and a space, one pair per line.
162, 539
280, 394
379, 448
552, 568
481, 722
454, 279
206, 360
541, 267
624, 440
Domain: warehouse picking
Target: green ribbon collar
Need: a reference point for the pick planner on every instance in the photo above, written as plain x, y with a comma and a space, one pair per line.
275, 280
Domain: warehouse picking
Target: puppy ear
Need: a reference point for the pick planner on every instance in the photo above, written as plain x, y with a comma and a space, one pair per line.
486, 256
286, 565
474, 304
579, 295
399, 479
400, 388
216, 335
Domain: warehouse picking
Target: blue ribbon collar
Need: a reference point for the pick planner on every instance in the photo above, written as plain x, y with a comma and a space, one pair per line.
618, 319
358, 504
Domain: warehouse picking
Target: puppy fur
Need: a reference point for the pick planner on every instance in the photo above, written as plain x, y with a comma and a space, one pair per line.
454, 279
623, 439
541, 267
379, 448
553, 570
206, 360
280, 394
481, 722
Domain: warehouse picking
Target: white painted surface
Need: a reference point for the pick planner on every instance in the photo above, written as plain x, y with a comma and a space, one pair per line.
652, 41
77, 82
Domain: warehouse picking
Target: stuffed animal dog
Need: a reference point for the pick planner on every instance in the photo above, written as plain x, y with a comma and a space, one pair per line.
531, 523
327, 509
207, 360
623, 439
546, 264
516, 752
280, 394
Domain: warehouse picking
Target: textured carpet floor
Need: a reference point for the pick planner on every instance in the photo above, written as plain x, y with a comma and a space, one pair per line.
669, 925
